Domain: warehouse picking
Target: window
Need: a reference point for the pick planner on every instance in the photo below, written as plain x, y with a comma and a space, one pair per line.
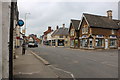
99, 42
72, 43
72, 32
85, 30
85, 43
112, 42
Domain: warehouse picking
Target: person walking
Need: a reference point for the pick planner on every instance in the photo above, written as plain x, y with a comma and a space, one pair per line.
23, 46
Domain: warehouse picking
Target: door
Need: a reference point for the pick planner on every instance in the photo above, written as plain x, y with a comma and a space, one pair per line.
90, 43
106, 43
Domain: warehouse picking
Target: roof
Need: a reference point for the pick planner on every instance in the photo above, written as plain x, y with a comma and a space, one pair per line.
47, 32
100, 21
61, 31
75, 23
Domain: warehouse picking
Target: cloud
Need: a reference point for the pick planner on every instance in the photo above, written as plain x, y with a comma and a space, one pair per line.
44, 14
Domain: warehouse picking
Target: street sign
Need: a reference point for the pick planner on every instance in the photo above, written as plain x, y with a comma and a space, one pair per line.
20, 23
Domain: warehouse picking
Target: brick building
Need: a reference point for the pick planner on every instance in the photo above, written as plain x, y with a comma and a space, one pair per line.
74, 33
98, 32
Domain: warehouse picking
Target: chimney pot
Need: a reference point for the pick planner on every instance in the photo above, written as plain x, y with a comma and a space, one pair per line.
49, 28
63, 25
57, 27
109, 14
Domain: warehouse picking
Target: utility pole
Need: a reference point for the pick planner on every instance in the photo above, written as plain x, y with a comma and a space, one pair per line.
11, 42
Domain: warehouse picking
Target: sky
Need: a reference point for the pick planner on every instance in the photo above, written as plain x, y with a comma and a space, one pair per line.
44, 13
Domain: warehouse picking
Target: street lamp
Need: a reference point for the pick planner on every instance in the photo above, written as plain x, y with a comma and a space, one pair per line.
25, 22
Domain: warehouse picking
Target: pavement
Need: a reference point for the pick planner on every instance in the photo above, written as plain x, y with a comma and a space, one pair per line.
28, 66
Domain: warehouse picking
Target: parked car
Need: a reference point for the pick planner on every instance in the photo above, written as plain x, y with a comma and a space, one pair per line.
32, 44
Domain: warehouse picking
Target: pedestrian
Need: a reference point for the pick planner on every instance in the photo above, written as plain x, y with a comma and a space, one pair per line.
23, 47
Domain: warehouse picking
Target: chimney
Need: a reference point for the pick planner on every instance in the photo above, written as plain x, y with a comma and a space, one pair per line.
49, 28
109, 14
57, 27
63, 25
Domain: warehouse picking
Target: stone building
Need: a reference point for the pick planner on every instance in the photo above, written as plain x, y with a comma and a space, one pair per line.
60, 37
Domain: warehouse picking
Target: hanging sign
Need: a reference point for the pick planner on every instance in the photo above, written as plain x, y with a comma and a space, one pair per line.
20, 23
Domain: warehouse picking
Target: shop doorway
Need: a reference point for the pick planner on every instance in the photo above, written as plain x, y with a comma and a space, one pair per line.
106, 43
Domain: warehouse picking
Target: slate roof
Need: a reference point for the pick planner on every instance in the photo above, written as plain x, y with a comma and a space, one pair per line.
75, 23
61, 31
100, 21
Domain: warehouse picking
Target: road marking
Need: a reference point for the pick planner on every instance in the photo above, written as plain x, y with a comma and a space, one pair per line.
30, 73
63, 71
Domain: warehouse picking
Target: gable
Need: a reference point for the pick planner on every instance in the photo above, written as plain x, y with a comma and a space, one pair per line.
84, 23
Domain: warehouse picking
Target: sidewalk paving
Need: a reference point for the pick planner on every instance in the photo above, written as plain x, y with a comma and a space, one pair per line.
28, 66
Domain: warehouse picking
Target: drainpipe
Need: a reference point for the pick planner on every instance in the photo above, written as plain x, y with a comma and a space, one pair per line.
11, 42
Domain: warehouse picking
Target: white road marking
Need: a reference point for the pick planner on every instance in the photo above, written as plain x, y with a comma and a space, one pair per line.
64, 71
30, 73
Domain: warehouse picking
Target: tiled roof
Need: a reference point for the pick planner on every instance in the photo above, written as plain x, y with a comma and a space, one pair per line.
75, 23
100, 21
61, 31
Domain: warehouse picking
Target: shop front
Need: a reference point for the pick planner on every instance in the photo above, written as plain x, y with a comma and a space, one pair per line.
112, 41
53, 42
72, 42
100, 42
60, 42
84, 41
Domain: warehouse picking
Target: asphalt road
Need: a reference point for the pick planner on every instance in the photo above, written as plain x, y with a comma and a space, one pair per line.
80, 63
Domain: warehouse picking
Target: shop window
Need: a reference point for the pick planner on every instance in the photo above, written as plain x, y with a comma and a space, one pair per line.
85, 42
72, 43
112, 42
99, 42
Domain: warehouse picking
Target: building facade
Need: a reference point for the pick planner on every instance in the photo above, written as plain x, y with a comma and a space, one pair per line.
74, 33
98, 32
5, 46
60, 37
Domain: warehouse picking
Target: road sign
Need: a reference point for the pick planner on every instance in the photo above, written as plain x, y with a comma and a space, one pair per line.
20, 23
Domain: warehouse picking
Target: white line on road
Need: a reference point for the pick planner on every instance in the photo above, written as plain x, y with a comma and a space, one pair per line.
63, 71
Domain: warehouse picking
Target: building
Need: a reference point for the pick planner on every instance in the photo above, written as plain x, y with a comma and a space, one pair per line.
45, 42
74, 33
49, 38
7, 22
60, 37
34, 37
98, 32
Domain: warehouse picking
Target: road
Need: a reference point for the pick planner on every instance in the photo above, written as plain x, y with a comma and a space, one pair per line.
79, 63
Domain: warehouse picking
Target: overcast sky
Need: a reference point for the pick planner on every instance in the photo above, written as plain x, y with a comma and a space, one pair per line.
46, 13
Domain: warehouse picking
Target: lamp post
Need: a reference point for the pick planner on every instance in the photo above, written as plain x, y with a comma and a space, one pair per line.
25, 22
